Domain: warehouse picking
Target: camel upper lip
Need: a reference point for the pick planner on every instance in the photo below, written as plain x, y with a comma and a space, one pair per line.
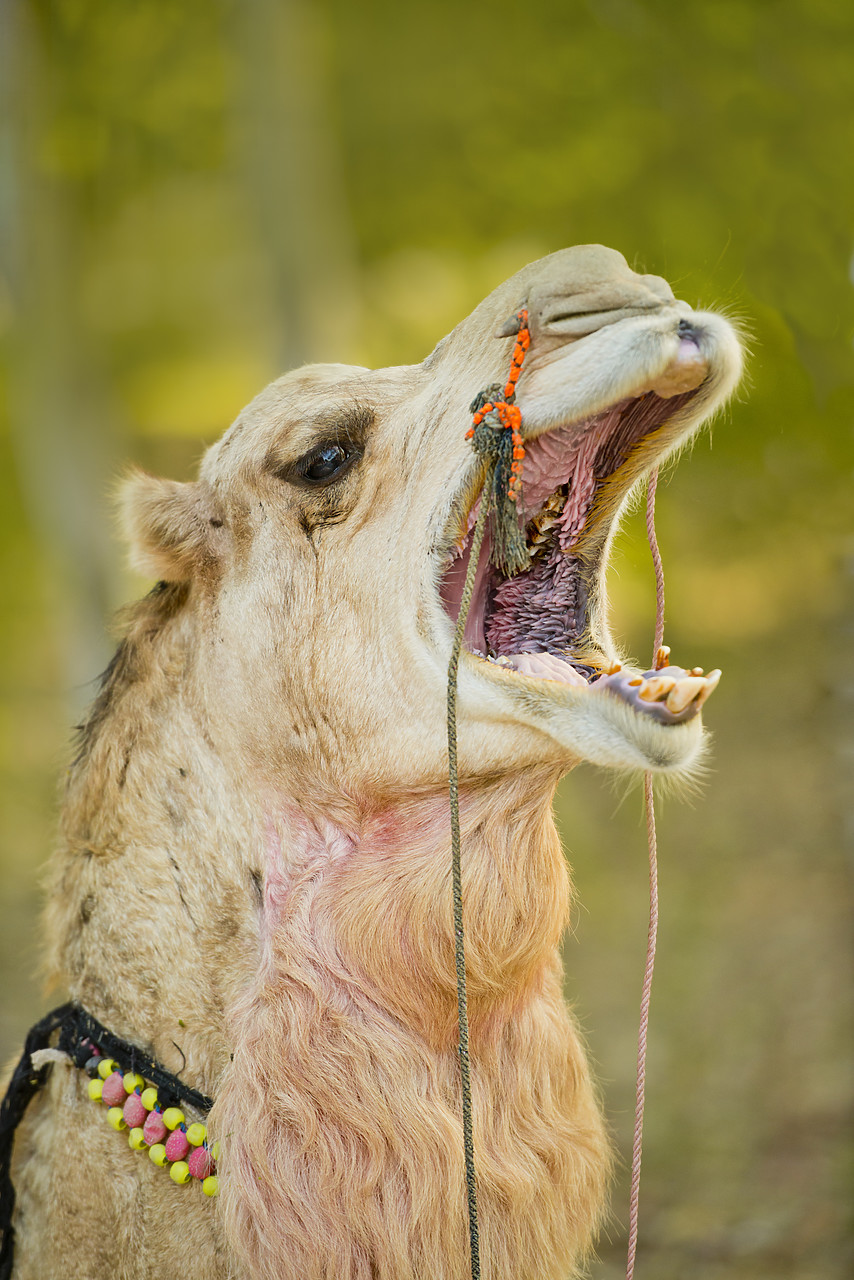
542, 622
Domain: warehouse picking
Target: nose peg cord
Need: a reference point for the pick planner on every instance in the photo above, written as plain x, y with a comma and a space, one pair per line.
652, 932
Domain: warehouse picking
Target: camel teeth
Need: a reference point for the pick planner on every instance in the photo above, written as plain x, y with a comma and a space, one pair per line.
538, 540
614, 668
656, 688
683, 692
634, 684
549, 515
696, 671
662, 658
709, 685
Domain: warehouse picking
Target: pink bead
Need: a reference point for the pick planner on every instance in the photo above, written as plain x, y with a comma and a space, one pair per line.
114, 1093
134, 1112
200, 1163
154, 1130
177, 1145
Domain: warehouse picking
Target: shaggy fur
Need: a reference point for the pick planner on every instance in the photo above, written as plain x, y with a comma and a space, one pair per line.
254, 882
345, 1043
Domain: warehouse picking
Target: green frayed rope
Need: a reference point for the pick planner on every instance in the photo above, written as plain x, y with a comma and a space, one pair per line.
497, 442
493, 442
493, 501
459, 947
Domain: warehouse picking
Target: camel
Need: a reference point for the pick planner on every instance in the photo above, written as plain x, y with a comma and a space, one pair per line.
254, 879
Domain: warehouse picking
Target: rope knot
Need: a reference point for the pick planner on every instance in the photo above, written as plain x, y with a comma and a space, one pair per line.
496, 407
496, 436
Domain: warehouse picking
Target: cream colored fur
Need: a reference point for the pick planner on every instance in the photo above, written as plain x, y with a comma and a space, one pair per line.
254, 882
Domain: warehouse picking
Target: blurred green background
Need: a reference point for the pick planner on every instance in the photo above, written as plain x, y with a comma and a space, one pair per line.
195, 196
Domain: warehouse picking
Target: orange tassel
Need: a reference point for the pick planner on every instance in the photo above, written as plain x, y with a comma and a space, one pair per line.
508, 413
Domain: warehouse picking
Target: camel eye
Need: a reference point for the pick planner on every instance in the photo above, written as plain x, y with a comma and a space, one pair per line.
325, 464
339, 445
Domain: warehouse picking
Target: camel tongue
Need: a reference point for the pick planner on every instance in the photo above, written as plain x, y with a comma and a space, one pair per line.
543, 666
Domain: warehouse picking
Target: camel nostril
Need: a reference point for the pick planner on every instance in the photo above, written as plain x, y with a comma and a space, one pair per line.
686, 329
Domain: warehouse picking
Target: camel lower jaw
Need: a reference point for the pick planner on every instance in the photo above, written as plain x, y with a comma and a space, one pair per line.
668, 695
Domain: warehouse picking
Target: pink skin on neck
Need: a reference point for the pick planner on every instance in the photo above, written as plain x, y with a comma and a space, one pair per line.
296, 849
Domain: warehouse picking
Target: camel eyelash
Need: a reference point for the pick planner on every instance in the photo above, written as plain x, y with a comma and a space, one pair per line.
326, 464
331, 458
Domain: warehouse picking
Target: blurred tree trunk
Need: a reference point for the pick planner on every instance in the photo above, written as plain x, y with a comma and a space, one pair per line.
295, 187
64, 431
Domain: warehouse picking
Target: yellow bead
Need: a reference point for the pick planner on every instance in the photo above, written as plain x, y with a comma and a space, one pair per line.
106, 1068
136, 1140
210, 1186
95, 1088
132, 1081
172, 1117
215, 1149
196, 1134
149, 1098
180, 1172
157, 1154
116, 1119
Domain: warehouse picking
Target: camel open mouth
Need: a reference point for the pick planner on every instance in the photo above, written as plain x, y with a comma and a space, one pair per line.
543, 622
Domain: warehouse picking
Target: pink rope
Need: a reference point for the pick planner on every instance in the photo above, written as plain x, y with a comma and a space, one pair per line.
637, 1147
652, 484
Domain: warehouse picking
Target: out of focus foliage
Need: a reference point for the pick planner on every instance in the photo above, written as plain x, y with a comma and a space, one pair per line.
198, 194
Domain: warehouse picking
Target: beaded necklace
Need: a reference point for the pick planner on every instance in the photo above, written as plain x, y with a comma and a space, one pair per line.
140, 1095
162, 1131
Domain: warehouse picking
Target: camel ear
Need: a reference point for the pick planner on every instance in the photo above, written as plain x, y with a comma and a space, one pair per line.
167, 525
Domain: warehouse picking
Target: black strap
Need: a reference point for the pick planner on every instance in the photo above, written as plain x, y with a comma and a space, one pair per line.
25, 1082
79, 1034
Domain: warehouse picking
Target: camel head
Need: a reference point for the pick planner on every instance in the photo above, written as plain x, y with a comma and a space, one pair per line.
324, 545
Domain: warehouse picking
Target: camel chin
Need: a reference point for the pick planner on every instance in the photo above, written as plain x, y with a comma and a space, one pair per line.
603, 722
